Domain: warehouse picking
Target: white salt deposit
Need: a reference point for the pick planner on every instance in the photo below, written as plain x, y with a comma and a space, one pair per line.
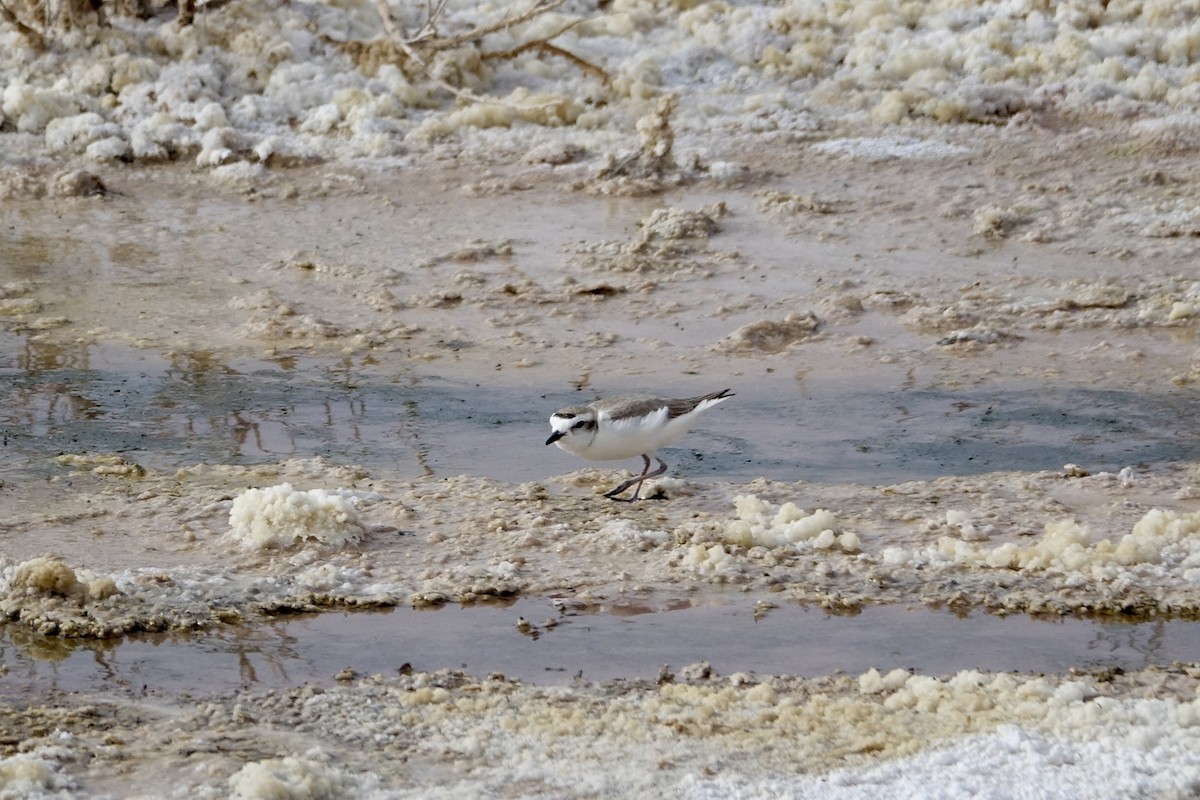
883, 148
759, 524
48, 576
1164, 539
1012, 762
253, 88
708, 559
961, 522
302, 777
895, 736
871, 682
296, 82
33, 776
281, 516
627, 530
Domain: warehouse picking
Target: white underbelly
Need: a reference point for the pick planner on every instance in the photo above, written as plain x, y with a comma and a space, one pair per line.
609, 449
611, 444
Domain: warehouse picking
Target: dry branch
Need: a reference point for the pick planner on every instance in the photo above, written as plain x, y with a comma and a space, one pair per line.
543, 46
73, 15
389, 25
429, 27
541, 7
427, 40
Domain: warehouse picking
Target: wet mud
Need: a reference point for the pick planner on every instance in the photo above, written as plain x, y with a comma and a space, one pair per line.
940, 407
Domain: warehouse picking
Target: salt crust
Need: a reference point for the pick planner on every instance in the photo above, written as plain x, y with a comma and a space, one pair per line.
33, 776
1162, 539
759, 524
887, 147
712, 737
281, 82
443, 735
960, 522
1028, 765
506, 542
48, 576
281, 516
770, 336
303, 777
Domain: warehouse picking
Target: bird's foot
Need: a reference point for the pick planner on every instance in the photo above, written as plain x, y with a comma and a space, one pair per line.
613, 494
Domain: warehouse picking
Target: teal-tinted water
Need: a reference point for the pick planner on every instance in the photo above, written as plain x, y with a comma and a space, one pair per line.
166, 411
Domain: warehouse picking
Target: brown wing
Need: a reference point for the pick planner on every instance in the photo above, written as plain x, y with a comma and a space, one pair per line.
677, 408
621, 408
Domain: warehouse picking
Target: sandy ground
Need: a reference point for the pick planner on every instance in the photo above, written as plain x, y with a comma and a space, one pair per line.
990, 261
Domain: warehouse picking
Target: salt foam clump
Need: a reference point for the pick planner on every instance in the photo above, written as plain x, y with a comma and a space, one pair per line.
48, 576
279, 516
30, 775
760, 525
297, 778
1161, 537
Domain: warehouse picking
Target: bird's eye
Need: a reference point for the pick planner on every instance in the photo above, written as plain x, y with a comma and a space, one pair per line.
581, 423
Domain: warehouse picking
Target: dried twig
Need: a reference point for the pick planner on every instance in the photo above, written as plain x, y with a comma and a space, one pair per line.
429, 28
541, 7
425, 39
389, 25
543, 46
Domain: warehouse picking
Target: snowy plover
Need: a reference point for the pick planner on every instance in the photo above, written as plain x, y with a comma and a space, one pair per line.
623, 427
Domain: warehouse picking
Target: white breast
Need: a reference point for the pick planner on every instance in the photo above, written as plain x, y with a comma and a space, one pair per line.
626, 438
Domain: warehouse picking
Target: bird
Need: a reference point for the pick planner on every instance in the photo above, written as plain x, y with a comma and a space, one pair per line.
623, 427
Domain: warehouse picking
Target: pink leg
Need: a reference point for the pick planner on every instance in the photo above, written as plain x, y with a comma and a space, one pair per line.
646, 473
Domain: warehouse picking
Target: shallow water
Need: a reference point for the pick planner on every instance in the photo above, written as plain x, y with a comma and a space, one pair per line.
624, 641
1041, 193
173, 410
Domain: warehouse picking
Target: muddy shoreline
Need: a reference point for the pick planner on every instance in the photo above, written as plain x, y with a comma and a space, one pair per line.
1027, 449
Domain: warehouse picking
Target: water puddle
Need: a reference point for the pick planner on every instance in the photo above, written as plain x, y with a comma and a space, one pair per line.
616, 642
170, 410
167, 411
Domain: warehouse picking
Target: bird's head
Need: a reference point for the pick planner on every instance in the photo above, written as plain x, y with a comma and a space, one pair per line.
571, 423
